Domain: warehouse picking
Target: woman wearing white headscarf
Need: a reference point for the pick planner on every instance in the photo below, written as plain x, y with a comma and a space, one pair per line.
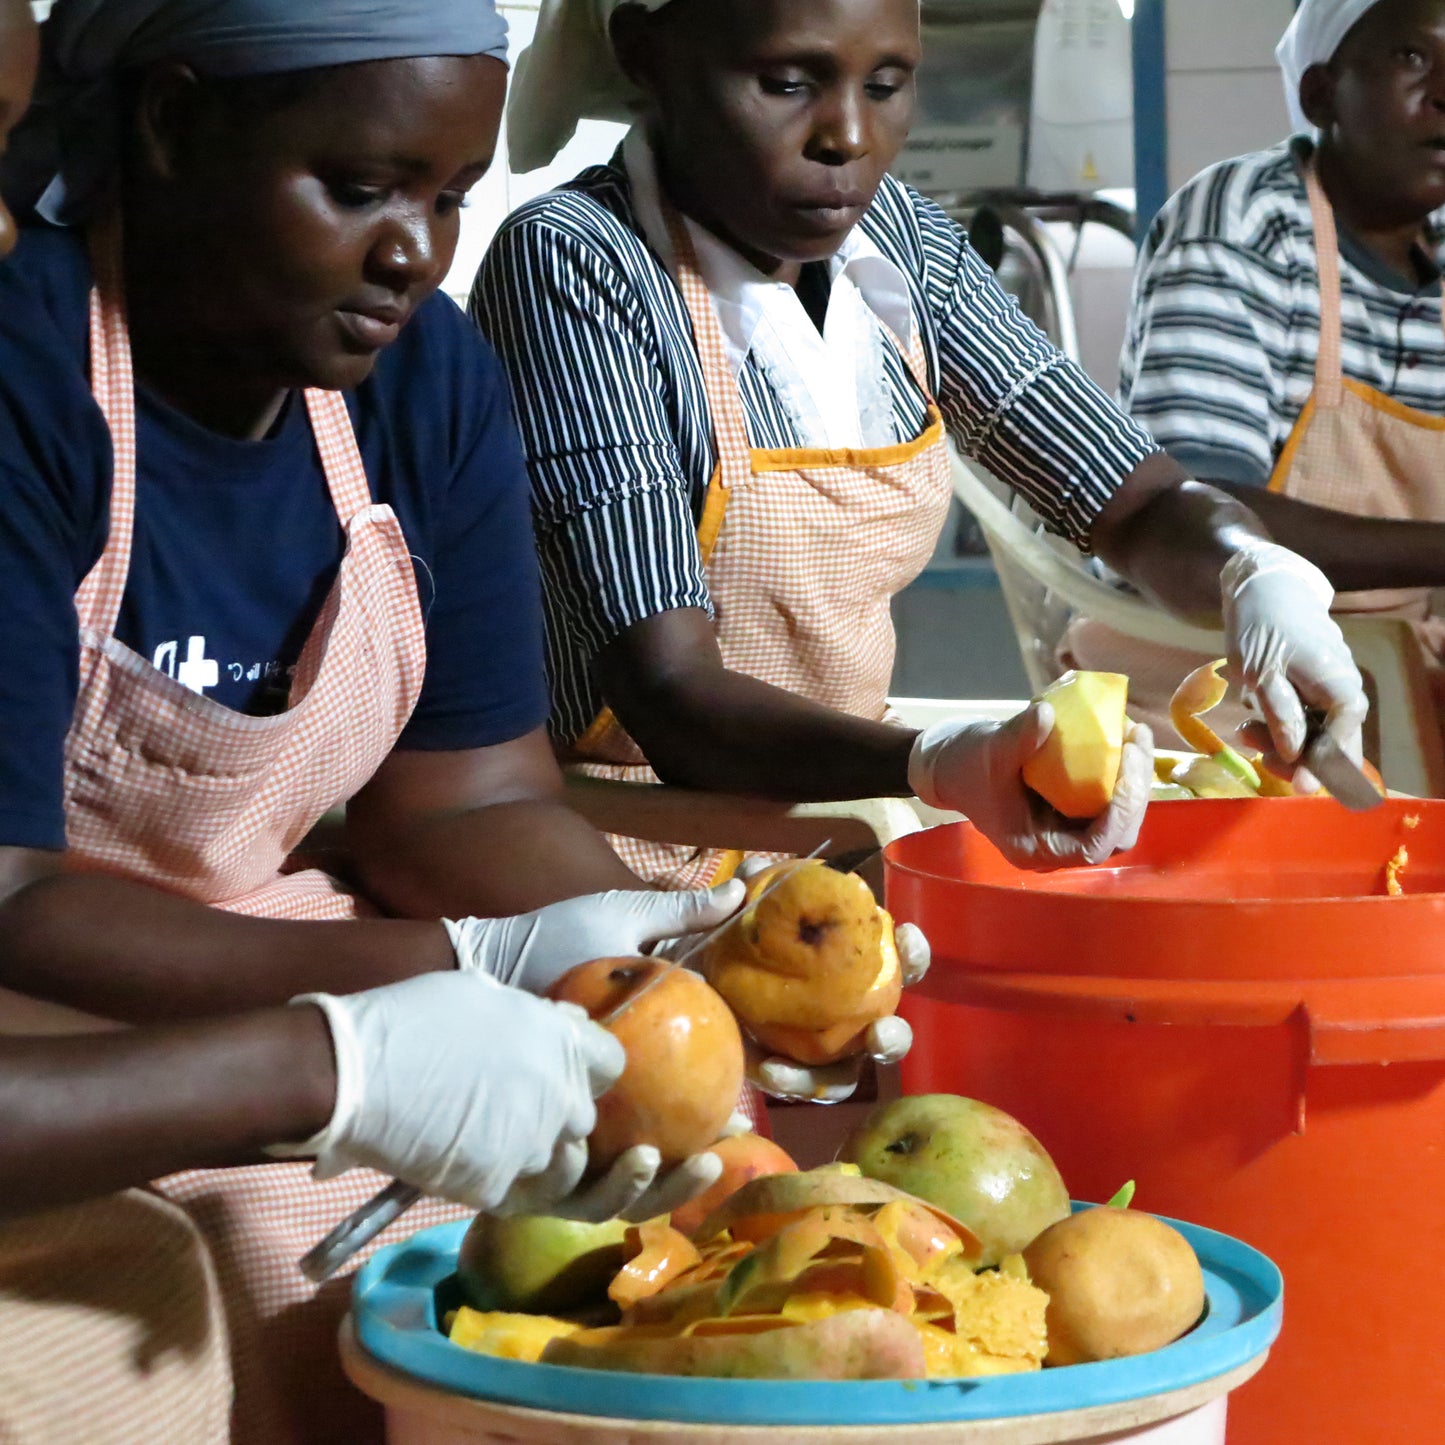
763, 340
265, 549
1286, 337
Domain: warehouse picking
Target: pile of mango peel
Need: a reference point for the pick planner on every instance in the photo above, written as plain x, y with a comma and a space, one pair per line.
819, 1275
1218, 770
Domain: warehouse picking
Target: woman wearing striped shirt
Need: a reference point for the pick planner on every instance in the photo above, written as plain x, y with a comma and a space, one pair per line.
735, 352
1286, 338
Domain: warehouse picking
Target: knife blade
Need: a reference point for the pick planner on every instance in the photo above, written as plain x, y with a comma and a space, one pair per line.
1344, 778
387, 1205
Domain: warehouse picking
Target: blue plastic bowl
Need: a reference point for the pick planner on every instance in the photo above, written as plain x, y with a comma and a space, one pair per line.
394, 1307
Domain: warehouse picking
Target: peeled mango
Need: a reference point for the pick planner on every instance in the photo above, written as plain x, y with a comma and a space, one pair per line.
973, 1161
1078, 765
810, 966
1119, 1283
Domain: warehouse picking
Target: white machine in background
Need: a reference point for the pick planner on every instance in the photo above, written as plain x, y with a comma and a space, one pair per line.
1024, 135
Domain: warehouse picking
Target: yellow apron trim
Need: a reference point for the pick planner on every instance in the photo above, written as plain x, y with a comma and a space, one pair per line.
714, 509
1396, 409
795, 459
1285, 465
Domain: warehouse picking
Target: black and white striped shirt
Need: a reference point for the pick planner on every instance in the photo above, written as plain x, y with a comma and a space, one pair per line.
1219, 359
614, 420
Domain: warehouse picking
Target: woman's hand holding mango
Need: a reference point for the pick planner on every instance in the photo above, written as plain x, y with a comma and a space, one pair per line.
463, 1087
886, 1042
976, 768
534, 950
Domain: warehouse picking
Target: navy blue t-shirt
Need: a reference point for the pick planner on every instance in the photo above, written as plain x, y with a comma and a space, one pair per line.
237, 543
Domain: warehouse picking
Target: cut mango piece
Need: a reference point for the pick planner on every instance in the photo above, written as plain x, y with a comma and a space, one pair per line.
507, 1336
1078, 765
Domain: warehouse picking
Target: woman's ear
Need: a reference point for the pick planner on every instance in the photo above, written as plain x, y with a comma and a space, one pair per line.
1317, 96
164, 118
633, 35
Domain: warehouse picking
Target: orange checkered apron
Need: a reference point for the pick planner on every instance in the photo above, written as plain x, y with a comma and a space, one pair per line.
804, 550
1353, 449
170, 787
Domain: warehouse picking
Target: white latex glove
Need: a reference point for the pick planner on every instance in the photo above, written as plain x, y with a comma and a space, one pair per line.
482, 1094
534, 950
1284, 647
887, 1042
976, 768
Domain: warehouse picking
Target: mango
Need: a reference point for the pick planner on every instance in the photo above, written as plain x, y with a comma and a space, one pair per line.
744, 1157
1119, 1283
684, 1058
977, 1163
507, 1336
810, 966
1078, 765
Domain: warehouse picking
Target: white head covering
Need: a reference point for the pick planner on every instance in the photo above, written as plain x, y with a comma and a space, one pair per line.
568, 73
1315, 33
65, 153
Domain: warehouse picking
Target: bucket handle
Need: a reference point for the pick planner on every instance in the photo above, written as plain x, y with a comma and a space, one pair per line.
1347, 1021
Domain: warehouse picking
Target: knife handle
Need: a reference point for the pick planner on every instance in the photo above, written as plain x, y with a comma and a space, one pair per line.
357, 1230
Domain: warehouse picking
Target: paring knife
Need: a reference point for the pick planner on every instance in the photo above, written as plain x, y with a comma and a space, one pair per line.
1339, 773
387, 1205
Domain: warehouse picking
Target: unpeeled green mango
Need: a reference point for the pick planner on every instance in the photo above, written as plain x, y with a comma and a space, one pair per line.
974, 1161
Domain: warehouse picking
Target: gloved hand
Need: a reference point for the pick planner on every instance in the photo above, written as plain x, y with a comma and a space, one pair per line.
534, 950
481, 1094
1284, 646
887, 1042
976, 768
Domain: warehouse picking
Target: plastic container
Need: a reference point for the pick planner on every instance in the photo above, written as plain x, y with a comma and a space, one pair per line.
437, 1393
1236, 1016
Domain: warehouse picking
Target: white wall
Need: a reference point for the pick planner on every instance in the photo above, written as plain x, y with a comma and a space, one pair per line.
501, 192
1223, 87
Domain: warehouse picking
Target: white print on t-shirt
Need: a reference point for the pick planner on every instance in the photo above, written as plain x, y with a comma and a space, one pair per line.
197, 672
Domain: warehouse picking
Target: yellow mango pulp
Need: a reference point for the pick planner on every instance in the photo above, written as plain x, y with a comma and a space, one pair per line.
508, 1336
1076, 768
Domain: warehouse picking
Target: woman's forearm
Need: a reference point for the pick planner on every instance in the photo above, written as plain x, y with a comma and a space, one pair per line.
1171, 536
1355, 553
126, 951
705, 726
84, 1116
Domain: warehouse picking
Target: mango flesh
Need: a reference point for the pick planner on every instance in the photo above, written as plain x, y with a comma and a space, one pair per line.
810, 966
684, 1058
1078, 765
973, 1161
1119, 1283
533, 1263
508, 1336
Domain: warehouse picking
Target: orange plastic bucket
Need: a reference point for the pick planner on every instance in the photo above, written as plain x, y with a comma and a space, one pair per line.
1236, 1016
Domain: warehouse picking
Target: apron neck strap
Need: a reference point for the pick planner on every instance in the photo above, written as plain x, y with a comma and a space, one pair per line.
1329, 363
724, 399
112, 383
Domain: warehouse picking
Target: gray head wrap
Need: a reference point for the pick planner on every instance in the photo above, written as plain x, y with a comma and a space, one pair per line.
65, 153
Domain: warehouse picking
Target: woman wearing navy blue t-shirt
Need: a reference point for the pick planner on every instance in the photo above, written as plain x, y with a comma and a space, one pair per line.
265, 550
